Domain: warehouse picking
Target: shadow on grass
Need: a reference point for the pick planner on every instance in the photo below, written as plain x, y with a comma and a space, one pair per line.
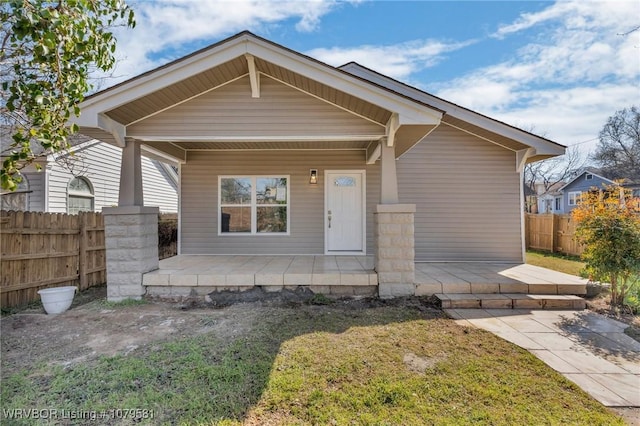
202, 377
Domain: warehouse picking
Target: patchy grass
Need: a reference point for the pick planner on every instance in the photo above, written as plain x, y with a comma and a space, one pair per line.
316, 365
556, 261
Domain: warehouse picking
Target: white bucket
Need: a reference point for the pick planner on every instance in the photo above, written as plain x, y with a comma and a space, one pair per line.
58, 299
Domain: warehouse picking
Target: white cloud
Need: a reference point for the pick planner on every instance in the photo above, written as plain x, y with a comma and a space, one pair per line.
168, 25
398, 61
577, 72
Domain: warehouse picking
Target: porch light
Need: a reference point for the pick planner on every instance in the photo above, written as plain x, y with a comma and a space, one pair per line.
313, 176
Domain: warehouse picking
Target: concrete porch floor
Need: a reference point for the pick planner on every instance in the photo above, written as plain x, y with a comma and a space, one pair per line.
430, 278
269, 271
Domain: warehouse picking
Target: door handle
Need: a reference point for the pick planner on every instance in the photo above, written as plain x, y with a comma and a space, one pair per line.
329, 218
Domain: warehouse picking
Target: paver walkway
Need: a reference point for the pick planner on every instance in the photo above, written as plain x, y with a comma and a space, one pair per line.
587, 348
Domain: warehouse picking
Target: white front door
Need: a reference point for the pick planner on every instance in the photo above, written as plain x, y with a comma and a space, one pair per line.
344, 215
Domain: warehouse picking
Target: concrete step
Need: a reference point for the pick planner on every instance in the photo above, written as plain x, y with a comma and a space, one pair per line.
503, 288
510, 301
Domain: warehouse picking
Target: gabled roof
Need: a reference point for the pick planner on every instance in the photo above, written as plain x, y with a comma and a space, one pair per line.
404, 115
465, 119
585, 173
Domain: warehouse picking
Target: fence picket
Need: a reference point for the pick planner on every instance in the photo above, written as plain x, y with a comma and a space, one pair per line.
40, 250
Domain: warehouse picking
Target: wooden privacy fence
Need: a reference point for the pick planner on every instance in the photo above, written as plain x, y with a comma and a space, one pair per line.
40, 250
551, 232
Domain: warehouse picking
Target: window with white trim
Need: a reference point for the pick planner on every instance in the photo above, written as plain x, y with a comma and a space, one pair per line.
79, 196
558, 203
588, 176
17, 200
253, 205
574, 198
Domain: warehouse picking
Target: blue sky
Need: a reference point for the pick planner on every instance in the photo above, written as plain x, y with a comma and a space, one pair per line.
560, 68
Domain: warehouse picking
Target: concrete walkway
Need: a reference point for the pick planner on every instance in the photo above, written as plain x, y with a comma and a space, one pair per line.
587, 348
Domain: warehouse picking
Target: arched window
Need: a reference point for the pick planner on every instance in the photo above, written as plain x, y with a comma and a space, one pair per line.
18, 199
80, 196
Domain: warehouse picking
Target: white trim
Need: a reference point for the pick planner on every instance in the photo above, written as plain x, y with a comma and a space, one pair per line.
363, 174
523, 236
409, 111
576, 198
544, 147
179, 194
254, 206
580, 175
296, 138
254, 76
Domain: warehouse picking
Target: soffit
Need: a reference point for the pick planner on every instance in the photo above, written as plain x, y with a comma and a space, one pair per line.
329, 94
484, 133
179, 91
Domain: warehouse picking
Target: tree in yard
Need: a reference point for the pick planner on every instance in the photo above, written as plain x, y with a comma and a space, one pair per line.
618, 151
549, 173
49, 49
610, 233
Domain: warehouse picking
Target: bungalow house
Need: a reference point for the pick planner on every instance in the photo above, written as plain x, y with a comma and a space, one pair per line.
584, 182
281, 154
86, 180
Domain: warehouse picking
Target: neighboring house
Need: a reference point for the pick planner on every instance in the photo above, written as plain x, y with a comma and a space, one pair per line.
283, 154
550, 200
88, 180
584, 182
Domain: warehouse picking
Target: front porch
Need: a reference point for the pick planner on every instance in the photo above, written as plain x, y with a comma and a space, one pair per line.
185, 275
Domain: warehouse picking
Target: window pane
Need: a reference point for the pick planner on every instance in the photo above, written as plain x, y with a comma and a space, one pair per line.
272, 219
13, 201
236, 219
80, 204
235, 190
271, 190
79, 185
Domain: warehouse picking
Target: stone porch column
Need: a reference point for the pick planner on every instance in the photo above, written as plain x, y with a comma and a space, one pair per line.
131, 236
394, 243
131, 231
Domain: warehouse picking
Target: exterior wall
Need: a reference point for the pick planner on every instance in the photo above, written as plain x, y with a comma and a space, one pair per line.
230, 111
583, 185
100, 164
36, 182
199, 199
467, 196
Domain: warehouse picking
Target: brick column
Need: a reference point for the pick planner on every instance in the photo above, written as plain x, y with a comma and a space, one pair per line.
394, 249
131, 238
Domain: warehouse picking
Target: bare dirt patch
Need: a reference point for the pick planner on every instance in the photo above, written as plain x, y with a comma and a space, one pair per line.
96, 328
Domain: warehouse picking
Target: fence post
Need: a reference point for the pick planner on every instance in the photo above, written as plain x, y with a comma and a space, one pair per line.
553, 233
82, 251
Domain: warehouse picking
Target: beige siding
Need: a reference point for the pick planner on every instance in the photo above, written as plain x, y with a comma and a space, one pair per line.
199, 198
466, 192
230, 111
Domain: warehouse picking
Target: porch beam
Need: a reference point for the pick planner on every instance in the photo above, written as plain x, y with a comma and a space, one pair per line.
118, 130
391, 128
522, 156
131, 175
389, 177
254, 77
166, 150
373, 152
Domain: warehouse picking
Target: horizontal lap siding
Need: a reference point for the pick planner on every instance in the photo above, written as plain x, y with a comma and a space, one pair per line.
199, 199
230, 111
467, 196
100, 164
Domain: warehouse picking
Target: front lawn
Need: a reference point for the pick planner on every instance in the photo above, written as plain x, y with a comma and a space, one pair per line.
555, 261
386, 363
